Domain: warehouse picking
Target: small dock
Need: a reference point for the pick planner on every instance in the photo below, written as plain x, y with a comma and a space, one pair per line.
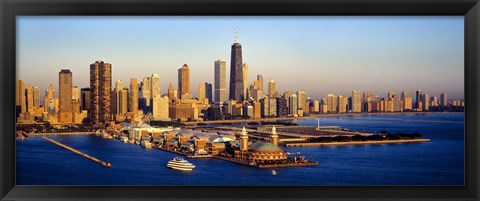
105, 164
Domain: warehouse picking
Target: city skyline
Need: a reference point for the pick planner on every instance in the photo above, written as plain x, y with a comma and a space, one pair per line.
444, 76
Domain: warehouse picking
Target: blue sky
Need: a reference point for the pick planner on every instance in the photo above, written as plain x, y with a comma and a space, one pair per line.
318, 55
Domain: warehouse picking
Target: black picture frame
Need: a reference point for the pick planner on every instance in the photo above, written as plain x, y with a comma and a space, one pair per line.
9, 9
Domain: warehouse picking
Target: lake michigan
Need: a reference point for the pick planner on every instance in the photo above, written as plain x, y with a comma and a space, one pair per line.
439, 162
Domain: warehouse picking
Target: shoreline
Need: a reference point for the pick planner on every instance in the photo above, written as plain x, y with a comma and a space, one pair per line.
320, 144
308, 117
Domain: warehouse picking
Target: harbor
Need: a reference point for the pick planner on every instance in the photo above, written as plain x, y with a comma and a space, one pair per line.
338, 165
255, 145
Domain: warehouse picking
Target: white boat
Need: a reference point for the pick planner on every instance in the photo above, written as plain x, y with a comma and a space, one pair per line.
146, 144
124, 139
274, 172
179, 163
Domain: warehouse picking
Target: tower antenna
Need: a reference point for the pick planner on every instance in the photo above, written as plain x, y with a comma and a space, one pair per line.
235, 34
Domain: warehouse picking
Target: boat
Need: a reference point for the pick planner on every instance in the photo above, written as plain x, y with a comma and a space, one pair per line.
103, 133
124, 139
146, 144
178, 163
274, 172
131, 140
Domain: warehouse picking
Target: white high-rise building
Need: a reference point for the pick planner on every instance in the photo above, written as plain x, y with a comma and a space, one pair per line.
245, 81
118, 88
155, 86
220, 81
201, 92
332, 103
272, 88
316, 106
302, 98
342, 104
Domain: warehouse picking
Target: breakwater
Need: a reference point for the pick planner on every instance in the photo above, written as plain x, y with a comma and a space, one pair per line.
317, 144
105, 164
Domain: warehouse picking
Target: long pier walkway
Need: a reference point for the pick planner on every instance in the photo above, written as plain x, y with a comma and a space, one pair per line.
105, 164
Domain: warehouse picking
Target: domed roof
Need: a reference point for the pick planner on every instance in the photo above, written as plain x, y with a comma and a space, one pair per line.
219, 138
264, 146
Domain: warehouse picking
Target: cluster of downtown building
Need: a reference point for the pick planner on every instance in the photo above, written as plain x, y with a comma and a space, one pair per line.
101, 103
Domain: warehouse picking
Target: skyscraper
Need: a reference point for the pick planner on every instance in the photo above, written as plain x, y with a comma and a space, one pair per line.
260, 83
201, 91
425, 102
184, 80
123, 101
272, 88
397, 103
342, 104
293, 105
155, 86
332, 103
133, 96
406, 101
85, 98
36, 97
220, 81
245, 81
236, 71
100, 89
118, 88
29, 94
146, 94
171, 92
160, 108
434, 101
208, 92
65, 96
418, 99
20, 100
302, 98
356, 102
76, 99
443, 99
48, 100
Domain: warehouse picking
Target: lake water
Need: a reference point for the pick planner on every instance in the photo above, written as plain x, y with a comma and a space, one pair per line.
439, 162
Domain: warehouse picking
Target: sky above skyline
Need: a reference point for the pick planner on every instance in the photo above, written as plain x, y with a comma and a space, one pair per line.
318, 55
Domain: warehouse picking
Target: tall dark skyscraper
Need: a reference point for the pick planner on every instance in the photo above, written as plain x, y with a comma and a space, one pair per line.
418, 98
100, 89
236, 71
65, 96
208, 92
